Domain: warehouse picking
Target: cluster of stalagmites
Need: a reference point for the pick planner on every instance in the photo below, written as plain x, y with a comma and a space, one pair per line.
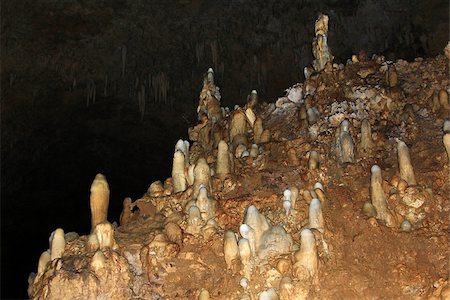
222, 143
257, 242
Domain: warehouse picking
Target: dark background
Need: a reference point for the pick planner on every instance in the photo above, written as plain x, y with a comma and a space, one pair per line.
52, 144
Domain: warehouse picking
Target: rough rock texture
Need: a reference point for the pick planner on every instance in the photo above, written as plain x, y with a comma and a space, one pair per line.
359, 257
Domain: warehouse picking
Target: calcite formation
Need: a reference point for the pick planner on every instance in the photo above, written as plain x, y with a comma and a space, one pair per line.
287, 218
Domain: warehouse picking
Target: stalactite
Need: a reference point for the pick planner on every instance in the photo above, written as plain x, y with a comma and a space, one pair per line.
214, 45
90, 92
124, 60
141, 100
160, 87
105, 88
199, 50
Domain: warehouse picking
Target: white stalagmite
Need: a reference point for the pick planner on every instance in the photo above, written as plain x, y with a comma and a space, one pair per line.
257, 222
378, 197
245, 254
306, 265
99, 200
269, 294
223, 167
206, 205
248, 233
315, 215
57, 244
404, 164
195, 221
202, 176
43, 261
230, 248
178, 172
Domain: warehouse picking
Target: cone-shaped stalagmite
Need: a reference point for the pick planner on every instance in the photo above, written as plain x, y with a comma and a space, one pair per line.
404, 163
178, 172
99, 200
379, 198
223, 167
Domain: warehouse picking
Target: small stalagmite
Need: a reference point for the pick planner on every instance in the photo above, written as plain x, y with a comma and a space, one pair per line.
245, 254
206, 205
269, 294
230, 248
306, 265
443, 99
347, 154
223, 167
98, 261
105, 235
204, 295
257, 130
256, 221
202, 176
99, 200
315, 215
178, 172
194, 221
248, 233
57, 244
392, 76
378, 197
252, 99
43, 261
125, 216
366, 144
313, 162
404, 163
238, 124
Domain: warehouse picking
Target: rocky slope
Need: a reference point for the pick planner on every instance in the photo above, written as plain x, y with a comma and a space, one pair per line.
282, 200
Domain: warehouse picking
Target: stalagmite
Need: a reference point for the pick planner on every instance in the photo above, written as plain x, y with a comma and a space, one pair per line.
366, 144
202, 176
105, 235
391, 76
57, 244
99, 200
238, 125
230, 248
404, 163
320, 49
313, 162
98, 261
125, 216
379, 198
252, 99
306, 265
248, 233
346, 144
256, 221
43, 261
178, 172
315, 215
223, 168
